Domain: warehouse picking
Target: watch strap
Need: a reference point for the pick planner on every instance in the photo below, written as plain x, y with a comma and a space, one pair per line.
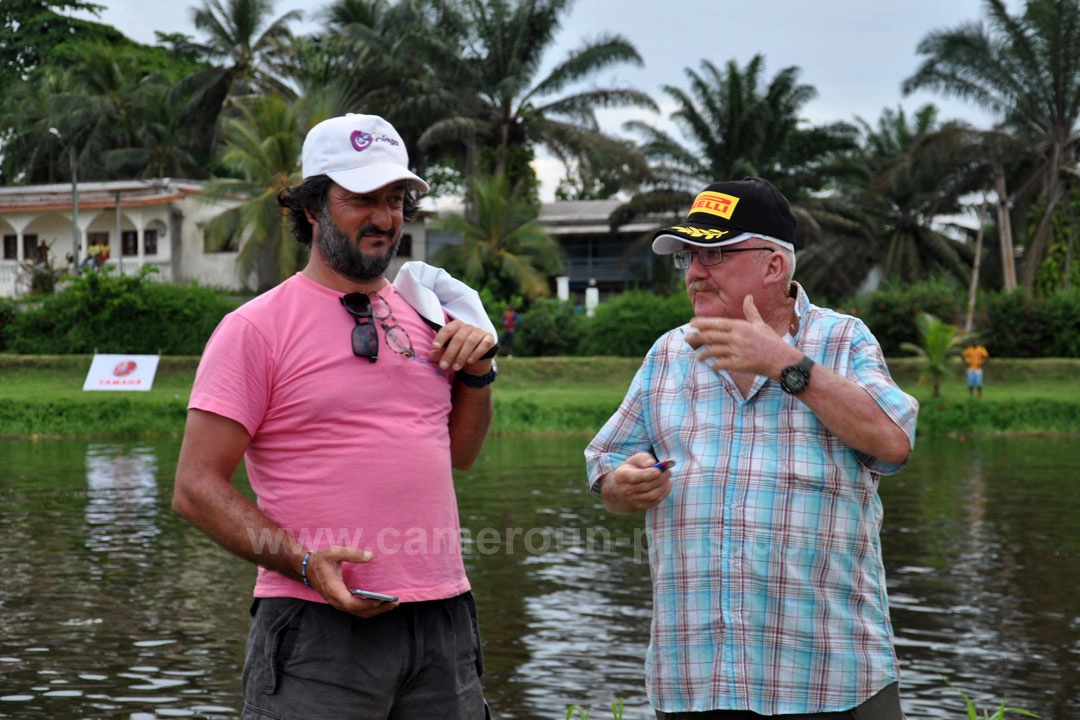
476, 381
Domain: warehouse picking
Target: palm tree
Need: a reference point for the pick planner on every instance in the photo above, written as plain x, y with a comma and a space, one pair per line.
161, 145
30, 153
357, 50
486, 55
242, 33
939, 343
504, 248
123, 119
736, 124
113, 94
1026, 70
262, 149
912, 173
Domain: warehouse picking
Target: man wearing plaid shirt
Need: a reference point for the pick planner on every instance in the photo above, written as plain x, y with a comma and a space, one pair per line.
768, 586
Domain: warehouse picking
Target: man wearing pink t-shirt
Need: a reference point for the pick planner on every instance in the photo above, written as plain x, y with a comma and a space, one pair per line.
350, 411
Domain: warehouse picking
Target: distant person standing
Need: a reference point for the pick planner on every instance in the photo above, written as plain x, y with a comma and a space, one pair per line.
93, 252
974, 354
510, 322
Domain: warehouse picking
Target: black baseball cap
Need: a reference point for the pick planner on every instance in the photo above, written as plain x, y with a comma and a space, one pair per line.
725, 212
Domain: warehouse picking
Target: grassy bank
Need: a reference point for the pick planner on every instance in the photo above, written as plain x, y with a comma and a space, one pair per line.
43, 396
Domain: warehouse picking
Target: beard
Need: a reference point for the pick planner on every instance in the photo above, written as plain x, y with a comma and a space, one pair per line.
345, 257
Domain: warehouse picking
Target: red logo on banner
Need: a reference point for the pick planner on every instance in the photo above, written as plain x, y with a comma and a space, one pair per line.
124, 368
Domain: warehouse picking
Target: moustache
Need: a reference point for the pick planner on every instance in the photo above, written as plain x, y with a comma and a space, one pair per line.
701, 286
374, 230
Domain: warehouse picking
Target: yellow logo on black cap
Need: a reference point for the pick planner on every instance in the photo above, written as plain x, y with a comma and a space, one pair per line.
715, 203
701, 233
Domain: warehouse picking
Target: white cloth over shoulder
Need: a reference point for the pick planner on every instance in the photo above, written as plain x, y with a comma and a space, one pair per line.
431, 290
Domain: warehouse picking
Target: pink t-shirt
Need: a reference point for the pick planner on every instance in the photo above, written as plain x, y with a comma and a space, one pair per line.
343, 451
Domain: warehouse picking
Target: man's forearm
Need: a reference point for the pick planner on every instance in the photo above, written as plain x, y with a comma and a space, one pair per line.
850, 413
470, 419
233, 522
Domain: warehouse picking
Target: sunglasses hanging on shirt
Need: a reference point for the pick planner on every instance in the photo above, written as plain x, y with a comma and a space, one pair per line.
365, 338
367, 309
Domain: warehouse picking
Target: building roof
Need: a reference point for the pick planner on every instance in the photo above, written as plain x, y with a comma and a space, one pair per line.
589, 217
95, 195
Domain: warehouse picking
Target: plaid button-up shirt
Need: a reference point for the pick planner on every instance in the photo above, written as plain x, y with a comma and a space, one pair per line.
768, 584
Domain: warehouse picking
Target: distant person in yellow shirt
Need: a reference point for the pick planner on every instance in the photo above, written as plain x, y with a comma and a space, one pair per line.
974, 354
92, 254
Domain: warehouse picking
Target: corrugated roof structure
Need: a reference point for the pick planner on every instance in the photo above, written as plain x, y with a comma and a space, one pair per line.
94, 195
579, 217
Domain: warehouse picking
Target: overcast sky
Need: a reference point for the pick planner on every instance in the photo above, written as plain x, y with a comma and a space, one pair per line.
855, 52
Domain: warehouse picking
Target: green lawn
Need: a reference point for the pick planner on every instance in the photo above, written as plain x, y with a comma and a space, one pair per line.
60, 377
44, 396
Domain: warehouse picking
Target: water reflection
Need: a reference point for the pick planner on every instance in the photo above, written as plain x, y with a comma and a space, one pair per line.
981, 546
112, 607
121, 508
98, 617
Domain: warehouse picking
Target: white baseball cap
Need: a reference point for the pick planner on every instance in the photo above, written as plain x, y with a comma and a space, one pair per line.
361, 153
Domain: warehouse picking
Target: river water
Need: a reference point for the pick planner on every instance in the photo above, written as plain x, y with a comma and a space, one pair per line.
112, 607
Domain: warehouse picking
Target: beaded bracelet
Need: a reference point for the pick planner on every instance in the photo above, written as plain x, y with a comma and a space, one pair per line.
303, 567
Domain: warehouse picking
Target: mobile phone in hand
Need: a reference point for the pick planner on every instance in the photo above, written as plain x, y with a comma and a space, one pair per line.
368, 595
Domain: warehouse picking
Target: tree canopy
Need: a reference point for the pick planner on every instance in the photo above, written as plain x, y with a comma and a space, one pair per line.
475, 92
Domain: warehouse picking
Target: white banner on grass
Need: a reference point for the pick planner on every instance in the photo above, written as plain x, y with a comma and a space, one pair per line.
122, 372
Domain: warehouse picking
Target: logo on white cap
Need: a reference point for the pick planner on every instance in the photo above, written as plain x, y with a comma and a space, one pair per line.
361, 140
359, 152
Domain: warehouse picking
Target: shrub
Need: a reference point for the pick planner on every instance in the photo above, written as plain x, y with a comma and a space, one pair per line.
1014, 324
891, 312
628, 324
549, 327
1063, 318
109, 313
7, 316
1019, 325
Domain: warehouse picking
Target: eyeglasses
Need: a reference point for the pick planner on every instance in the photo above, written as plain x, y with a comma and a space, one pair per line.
366, 309
707, 256
396, 337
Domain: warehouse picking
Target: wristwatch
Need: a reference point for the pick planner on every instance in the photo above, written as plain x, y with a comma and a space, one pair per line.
478, 381
795, 378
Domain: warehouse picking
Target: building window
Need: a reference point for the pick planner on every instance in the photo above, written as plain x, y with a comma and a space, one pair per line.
129, 243
149, 242
29, 247
11, 247
405, 248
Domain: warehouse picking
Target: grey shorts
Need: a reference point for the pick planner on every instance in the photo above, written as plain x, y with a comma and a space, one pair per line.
883, 706
307, 660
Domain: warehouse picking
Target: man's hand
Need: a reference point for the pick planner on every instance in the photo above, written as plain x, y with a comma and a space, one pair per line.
635, 485
750, 345
324, 574
459, 346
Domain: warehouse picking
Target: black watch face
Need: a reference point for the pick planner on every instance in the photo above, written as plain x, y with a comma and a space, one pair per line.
793, 380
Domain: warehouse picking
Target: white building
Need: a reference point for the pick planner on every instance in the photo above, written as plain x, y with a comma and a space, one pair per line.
141, 222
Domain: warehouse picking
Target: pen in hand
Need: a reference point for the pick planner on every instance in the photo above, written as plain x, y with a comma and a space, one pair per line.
664, 465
